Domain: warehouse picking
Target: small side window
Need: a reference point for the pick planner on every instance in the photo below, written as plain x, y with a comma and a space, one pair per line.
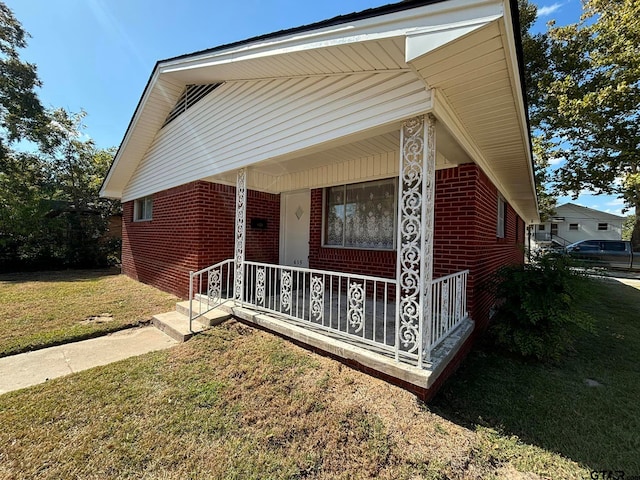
603, 226
573, 226
143, 209
502, 217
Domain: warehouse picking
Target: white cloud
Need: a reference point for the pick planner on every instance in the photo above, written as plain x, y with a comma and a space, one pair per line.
556, 161
615, 202
548, 9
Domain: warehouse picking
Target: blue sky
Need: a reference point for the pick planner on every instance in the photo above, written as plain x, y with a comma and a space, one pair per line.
97, 55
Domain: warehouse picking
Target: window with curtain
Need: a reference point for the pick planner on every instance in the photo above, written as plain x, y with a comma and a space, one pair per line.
361, 215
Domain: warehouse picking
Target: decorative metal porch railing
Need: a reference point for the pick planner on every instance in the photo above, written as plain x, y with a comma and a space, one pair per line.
449, 306
211, 286
358, 309
542, 236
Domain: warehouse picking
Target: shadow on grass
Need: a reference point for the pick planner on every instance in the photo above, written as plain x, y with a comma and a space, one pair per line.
586, 408
71, 275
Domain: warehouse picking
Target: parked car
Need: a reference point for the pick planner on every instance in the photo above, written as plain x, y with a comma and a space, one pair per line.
607, 253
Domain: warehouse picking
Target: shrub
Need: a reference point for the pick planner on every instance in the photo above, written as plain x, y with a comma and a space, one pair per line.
537, 307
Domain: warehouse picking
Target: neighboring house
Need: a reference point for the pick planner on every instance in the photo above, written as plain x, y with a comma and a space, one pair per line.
352, 184
572, 223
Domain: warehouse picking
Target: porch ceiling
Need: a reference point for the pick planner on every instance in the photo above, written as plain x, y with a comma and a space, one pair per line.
366, 144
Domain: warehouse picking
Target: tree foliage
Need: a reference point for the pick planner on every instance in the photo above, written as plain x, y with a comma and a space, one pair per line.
77, 168
627, 227
50, 211
587, 103
21, 113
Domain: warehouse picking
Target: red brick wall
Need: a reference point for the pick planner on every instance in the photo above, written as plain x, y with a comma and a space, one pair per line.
465, 233
464, 237
263, 245
193, 227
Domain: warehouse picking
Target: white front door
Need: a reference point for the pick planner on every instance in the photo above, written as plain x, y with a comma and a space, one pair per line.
294, 228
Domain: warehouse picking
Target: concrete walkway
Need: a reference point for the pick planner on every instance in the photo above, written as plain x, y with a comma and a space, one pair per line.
32, 368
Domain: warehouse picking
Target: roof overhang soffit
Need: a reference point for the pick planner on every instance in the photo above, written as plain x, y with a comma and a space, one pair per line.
473, 70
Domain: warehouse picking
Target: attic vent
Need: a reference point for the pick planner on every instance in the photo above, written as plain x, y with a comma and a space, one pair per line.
191, 95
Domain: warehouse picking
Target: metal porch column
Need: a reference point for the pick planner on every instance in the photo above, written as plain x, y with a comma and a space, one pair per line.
241, 213
416, 195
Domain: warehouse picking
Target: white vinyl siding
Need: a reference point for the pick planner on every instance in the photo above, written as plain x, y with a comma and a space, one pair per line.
245, 122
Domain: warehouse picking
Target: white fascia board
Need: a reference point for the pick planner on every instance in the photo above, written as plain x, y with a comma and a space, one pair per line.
514, 72
108, 191
397, 24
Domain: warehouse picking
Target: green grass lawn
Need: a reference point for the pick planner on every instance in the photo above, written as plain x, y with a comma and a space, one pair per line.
553, 406
41, 309
237, 402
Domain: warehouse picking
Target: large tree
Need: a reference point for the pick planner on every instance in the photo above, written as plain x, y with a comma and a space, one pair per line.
589, 103
51, 214
21, 113
77, 169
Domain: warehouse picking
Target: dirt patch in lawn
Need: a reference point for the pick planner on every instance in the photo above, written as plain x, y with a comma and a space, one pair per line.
42, 309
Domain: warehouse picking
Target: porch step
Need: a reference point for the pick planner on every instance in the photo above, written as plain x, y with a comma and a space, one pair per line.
209, 319
176, 323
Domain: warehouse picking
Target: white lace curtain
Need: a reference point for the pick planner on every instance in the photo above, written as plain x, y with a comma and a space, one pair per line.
361, 215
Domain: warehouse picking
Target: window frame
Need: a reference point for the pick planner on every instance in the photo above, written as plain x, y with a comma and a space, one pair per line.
501, 218
325, 190
606, 226
572, 225
143, 209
